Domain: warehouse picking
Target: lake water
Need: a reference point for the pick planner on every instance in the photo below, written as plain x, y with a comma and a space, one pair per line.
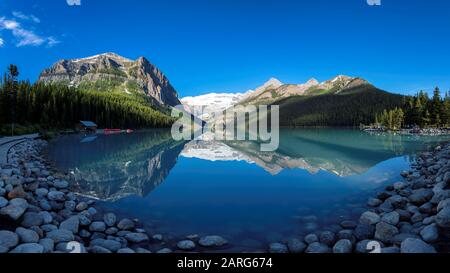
316, 179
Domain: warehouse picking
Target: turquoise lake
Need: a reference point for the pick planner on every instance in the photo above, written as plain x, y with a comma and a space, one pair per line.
316, 179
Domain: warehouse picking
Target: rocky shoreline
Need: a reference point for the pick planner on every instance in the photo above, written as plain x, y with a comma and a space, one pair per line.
410, 216
40, 214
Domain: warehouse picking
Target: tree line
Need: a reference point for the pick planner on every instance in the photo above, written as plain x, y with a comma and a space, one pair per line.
419, 110
58, 106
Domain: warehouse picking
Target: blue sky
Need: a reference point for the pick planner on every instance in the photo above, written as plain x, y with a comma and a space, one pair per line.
235, 45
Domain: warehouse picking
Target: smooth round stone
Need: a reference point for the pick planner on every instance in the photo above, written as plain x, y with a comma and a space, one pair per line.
70, 205
8, 239
91, 211
346, 234
186, 245
212, 240
111, 231
61, 235
125, 224
311, 238
15, 209
443, 217
164, 251
385, 232
430, 233
31, 219
125, 251
391, 218
318, 248
390, 250
111, 245
278, 248
61, 184
99, 249
412, 245
327, 238
343, 246
142, 250
56, 196
30, 248
157, 237
110, 219
27, 235
48, 227
374, 202
296, 246
48, 245
47, 218
97, 226
418, 197
3, 202
369, 218
81, 206
72, 224
41, 192
363, 231
348, 224
136, 237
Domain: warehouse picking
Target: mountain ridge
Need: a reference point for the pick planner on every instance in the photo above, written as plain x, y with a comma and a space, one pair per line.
112, 72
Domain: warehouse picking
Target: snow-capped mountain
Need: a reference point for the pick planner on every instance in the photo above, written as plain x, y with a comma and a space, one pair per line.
213, 102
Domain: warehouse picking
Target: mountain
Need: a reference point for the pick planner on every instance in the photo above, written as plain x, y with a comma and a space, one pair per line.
213, 102
340, 101
113, 73
273, 90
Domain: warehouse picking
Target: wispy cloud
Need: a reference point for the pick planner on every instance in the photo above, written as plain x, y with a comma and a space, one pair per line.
24, 36
1, 42
25, 17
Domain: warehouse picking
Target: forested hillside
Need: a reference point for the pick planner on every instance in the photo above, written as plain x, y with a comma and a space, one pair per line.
351, 107
58, 106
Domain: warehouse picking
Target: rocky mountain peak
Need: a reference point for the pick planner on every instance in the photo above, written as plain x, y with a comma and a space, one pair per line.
112, 72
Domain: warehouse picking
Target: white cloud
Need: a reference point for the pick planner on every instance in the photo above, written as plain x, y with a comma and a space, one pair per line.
1, 42
25, 17
25, 37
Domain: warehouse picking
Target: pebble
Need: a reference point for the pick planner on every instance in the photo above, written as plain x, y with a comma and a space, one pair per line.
317, 248
412, 245
97, 226
125, 224
8, 239
385, 232
311, 238
110, 219
72, 224
212, 240
430, 233
369, 218
278, 248
327, 238
136, 237
31, 248
343, 246
186, 245
296, 246
15, 209
27, 235
32, 219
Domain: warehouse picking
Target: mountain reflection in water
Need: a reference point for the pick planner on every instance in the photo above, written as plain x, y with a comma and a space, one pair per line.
111, 167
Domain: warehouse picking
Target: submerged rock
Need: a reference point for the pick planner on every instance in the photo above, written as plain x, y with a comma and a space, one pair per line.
212, 240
